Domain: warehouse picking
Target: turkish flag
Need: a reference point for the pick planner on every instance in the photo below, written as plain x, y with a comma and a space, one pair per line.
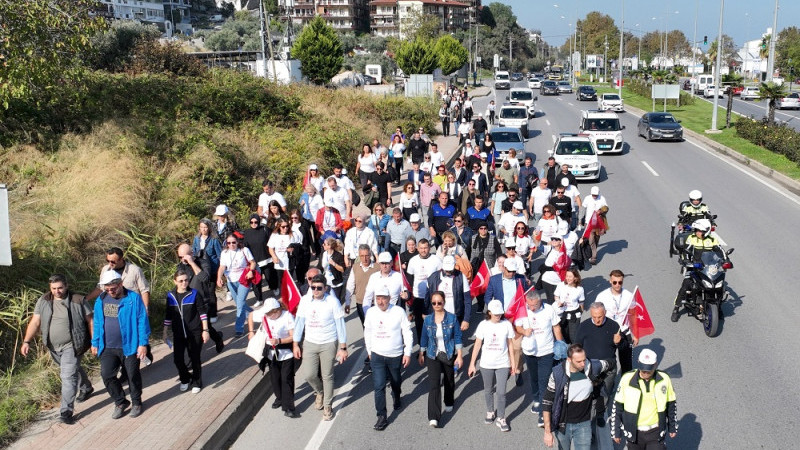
516, 310
594, 223
480, 282
290, 294
398, 267
563, 262
638, 318
305, 178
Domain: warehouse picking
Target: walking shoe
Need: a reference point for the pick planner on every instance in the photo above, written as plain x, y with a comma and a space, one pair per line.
228, 297
381, 424
676, 314
276, 404
136, 411
238, 334
220, 344
291, 414
196, 389
536, 407
258, 304
83, 395
66, 418
540, 424
397, 404
501, 423
119, 410
327, 414
184, 387
448, 409
318, 400
433, 423
489, 418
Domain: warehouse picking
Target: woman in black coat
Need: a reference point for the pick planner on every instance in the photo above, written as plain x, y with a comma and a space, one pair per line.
304, 251
255, 239
185, 319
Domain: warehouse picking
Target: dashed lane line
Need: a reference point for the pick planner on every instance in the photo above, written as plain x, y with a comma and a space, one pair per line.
655, 174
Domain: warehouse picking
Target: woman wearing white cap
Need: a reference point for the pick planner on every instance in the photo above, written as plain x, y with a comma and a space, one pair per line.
278, 351
314, 178
494, 336
226, 225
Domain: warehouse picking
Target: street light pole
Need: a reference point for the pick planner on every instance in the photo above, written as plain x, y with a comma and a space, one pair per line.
621, 49
772, 39
718, 65
694, 42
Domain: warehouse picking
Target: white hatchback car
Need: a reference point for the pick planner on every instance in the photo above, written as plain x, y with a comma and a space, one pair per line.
610, 101
577, 151
535, 83
750, 93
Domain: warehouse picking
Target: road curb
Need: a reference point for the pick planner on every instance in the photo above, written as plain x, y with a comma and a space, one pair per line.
784, 181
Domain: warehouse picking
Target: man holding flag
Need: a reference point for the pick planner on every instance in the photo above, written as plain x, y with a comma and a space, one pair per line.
595, 220
618, 302
538, 323
389, 278
509, 288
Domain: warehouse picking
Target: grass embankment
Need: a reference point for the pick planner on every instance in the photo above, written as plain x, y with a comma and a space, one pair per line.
697, 117
135, 162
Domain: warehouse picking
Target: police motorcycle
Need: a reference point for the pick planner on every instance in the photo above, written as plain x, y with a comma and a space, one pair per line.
707, 286
689, 211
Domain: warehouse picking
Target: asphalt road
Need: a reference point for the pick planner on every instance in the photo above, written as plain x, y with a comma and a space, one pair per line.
756, 109
734, 391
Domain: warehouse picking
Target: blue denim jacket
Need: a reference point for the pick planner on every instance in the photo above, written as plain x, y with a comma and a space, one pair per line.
451, 331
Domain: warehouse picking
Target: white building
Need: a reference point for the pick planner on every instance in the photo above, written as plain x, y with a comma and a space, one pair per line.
753, 66
143, 11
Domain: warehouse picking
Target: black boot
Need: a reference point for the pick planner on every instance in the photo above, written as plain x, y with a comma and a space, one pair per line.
676, 314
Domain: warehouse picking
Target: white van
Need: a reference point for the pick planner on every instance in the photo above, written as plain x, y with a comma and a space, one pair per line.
502, 80
701, 82
524, 96
603, 129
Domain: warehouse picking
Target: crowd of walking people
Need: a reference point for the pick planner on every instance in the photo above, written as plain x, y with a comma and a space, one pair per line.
409, 268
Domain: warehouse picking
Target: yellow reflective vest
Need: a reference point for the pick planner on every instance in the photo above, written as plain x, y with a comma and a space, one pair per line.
628, 404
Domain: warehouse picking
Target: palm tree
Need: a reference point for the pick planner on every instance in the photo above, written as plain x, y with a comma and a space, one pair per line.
772, 92
733, 80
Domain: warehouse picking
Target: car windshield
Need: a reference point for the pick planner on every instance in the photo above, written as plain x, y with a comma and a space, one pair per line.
501, 76
602, 124
506, 136
548, 83
575, 148
563, 83
513, 113
662, 118
521, 95
587, 89
611, 97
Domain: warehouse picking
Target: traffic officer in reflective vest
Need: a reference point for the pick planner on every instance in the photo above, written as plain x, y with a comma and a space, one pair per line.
644, 407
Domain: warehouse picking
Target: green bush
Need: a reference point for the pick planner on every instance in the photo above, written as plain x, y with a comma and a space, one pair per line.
777, 138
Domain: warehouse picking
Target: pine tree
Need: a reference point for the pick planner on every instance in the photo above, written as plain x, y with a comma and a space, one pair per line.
319, 50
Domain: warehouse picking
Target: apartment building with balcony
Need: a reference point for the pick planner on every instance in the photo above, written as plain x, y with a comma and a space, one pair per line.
151, 11
383, 18
453, 15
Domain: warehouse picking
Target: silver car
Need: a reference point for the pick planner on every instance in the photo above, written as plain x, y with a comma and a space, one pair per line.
564, 87
791, 101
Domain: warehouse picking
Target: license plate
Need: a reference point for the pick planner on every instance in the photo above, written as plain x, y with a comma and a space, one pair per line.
577, 172
666, 135
604, 146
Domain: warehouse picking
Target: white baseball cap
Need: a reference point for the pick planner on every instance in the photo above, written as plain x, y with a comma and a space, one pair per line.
414, 218
383, 291
517, 205
565, 181
109, 277
595, 190
221, 210
648, 360
510, 264
449, 263
271, 303
385, 257
312, 167
510, 243
495, 307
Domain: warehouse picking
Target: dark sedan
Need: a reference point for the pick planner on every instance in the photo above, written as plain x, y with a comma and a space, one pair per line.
516, 76
549, 87
586, 93
660, 126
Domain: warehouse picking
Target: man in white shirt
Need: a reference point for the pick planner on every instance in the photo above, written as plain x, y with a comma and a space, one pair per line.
540, 196
617, 302
356, 236
591, 203
321, 317
437, 157
388, 341
339, 196
539, 329
267, 196
510, 219
385, 278
419, 269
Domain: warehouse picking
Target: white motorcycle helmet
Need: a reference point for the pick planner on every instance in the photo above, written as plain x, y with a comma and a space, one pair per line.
703, 225
695, 195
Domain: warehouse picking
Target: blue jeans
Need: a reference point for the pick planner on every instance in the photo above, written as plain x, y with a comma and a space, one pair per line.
539, 370
239, 293
383, 366
579, 434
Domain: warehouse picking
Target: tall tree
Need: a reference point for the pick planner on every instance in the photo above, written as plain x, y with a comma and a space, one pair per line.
732, 80
417, 57
40, 41
419, 25
319, 50
772, 92
450, 54
499, 31
788, 49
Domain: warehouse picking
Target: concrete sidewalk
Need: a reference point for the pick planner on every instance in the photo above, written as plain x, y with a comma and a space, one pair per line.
234, 391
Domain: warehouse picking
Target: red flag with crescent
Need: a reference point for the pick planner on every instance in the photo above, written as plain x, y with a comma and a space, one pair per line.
480, 282
290, 294
638, 318
398, 267
594, 223
516, 310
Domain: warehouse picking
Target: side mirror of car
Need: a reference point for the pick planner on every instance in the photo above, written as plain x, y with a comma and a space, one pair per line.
679, 121
536, 99
525, 140
506, 97
623, 127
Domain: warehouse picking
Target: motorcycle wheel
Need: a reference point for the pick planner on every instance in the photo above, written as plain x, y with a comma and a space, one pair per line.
711, 321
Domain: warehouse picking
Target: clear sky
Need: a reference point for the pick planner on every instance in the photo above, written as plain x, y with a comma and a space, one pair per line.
743, 20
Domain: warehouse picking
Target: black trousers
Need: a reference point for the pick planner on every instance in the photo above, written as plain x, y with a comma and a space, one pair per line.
435, 369
446, 128
550, 291
360, 311
418, 309
648, 440
625, 354
282, 376
111, 360
193, 345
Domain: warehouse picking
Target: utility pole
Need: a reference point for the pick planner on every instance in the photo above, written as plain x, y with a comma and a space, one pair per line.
605, 60
621, 50
510, 46
772, 39
716, 75
265, 35
694, 42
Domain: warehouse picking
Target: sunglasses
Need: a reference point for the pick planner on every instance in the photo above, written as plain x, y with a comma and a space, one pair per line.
317, 288
284, 226
253, 222
231, 242
437, 303
458, 221
520, 228
616, 283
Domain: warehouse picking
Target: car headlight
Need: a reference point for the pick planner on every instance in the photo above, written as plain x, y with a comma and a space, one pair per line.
593, 165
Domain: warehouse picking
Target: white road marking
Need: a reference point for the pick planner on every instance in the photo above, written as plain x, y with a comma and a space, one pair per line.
560, 99
570, 104
547, 122
554, 138
736, 166
341, 395
655, 174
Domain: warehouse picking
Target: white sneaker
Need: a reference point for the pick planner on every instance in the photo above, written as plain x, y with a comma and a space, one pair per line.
196, 390
448, 409
433, 424
257, 304
184, 387
228, 297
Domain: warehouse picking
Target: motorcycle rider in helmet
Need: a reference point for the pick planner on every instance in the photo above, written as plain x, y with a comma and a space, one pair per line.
696, 244
694, 209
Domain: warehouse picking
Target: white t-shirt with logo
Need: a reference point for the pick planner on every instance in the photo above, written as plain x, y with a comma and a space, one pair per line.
541, 321
388, 333
235, 262
320, 318
617, 306
421, 269
279, 328
339, 197
570, 298
494, 347
264, 199
446, 286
